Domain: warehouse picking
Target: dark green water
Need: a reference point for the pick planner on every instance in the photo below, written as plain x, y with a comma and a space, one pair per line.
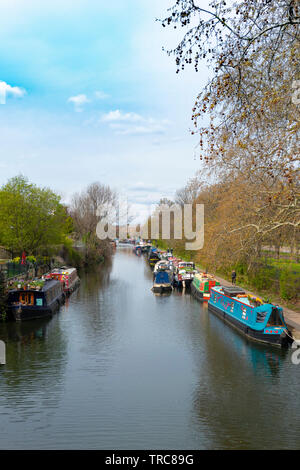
120, 368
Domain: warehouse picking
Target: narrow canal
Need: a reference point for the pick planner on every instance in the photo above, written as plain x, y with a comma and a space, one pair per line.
121, 368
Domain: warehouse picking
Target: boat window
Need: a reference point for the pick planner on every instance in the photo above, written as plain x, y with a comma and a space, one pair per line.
27, 298
275, 319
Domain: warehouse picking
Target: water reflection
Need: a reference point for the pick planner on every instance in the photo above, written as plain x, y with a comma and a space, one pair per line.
120, 368
32, 381
242, 399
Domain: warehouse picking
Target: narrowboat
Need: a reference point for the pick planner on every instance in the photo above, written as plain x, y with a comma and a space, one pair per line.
137, 250
166, 255
258, 321
33, 302
161, 283
68, 277
201, 286
141, 247
164, 265
153, 257
184, 274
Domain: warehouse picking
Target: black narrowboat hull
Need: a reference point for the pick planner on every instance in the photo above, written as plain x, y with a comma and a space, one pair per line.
197, 294
179, 284
160, 289
27, 312
275, 340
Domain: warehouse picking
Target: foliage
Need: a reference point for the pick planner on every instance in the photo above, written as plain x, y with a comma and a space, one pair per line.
250, 141
31, 284
30, 217
86, 210
290, 282
71, 255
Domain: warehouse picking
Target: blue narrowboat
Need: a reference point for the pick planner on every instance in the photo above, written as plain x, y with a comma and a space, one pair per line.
258, 321
162, 282
30, 303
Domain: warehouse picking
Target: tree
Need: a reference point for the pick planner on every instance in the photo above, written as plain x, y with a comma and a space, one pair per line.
253, 130
31, 218
189, 193
84, 211
85, 205
253, 48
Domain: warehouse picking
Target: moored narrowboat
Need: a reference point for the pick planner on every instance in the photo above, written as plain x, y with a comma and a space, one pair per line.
160, 265
258, 321
68, 277
164, 265
184, 274
161, 283
31, 303
153, 257
201, 286
137, 250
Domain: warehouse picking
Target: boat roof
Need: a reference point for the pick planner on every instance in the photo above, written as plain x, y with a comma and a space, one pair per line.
49, 284
63, 270
204, 276
243, 299
162, 277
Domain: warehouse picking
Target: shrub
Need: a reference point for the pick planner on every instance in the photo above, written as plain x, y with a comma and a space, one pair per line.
290, 282
31, 259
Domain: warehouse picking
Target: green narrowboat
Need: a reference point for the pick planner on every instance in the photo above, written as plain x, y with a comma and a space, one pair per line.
201, 286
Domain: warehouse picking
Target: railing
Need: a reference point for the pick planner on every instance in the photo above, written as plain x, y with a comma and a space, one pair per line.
12, 270
15, 270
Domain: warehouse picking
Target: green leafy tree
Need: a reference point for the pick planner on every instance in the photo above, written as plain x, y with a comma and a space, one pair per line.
31, 218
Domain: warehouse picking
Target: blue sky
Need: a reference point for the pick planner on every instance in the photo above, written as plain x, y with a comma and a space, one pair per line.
91, 96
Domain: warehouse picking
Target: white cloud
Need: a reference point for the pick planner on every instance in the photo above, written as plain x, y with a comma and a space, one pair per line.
8, 90
79, 101
120, 116
100, 95
133, 123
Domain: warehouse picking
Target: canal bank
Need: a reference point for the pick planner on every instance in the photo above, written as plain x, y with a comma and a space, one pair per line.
122, 368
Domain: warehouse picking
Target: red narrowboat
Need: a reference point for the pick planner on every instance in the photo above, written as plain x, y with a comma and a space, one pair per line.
68, 278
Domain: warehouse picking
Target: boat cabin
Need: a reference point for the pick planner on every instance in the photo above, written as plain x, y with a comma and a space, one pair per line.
68, 277
30, 303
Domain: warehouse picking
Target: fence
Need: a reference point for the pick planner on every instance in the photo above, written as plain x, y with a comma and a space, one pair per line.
12, 270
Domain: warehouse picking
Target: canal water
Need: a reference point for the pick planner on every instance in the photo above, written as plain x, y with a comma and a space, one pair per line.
121, 368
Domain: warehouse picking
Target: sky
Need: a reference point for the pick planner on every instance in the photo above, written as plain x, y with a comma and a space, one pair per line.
87, 94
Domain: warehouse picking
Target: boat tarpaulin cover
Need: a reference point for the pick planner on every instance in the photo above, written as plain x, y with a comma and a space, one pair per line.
162, 278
